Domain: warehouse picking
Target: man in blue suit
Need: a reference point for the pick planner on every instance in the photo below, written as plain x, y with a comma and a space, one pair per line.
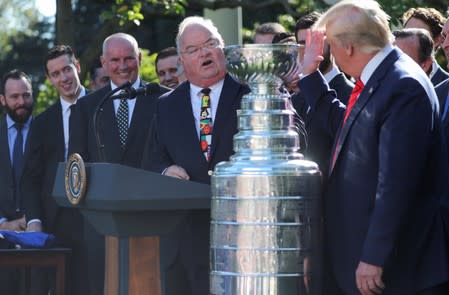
175, 148
384, 227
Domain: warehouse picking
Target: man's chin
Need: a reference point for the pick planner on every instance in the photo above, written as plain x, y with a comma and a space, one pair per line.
21, 117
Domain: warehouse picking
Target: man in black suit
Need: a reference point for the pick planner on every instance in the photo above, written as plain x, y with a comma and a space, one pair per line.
175, 149
319, 141
433, 21
17, 99
121, 59
49, 139
388, 175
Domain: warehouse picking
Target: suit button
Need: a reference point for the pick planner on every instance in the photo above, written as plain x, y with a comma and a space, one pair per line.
209, 172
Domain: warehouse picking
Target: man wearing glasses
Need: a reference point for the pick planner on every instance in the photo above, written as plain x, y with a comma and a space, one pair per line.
194, 127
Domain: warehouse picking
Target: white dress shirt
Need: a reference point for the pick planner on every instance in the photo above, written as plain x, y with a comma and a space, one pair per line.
65, 119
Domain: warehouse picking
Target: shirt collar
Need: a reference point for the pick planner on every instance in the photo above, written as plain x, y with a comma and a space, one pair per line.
10, 122
215, 88
65, 104
372, 65
331, 74
434, 68
135, 85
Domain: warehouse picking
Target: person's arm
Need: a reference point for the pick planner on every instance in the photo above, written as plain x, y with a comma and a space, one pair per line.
33, 175
314, 87
15, 225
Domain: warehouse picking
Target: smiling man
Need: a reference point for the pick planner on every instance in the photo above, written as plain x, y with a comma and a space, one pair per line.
189, 122
49, 138
125, 122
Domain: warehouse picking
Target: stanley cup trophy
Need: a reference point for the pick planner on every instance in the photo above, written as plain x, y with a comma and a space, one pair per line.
265, 210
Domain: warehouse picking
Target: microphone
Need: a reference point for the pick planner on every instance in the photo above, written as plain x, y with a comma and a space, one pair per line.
131, 92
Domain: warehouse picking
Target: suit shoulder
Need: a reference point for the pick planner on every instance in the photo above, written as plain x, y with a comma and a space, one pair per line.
50, 112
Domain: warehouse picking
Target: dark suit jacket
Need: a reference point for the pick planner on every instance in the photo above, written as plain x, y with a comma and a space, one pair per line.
175, 141
46, 140
382, 196
82, 137
439, 76
319, 141
175, 137
7, 200
47, 150
442, 90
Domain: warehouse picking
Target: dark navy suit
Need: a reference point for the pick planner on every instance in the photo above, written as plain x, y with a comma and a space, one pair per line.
46, 141
319, 141
382, 198
82, 141
439, 76
175, 141
82, 138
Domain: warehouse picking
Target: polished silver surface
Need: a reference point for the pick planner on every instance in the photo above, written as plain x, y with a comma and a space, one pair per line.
265, 211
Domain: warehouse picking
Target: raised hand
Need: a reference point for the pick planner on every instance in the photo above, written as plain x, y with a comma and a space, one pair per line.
313, 52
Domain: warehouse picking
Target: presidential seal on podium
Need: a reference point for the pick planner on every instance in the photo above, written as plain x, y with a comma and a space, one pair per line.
75, 179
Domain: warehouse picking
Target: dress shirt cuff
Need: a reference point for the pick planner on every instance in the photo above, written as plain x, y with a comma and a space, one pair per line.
163, 171
33, 220
3, 219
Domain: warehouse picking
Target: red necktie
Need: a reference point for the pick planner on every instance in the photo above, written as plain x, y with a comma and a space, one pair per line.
358, 88
205, 124
353, 98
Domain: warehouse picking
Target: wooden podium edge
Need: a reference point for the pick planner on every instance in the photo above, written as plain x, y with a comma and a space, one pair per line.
143, 269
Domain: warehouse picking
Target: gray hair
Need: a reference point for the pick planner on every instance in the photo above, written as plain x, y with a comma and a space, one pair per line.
197, 21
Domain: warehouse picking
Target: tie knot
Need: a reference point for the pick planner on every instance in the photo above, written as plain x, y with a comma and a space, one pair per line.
18, 126
205, 91
358, 85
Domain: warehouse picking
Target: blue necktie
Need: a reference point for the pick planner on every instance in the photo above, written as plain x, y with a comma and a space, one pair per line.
17, 162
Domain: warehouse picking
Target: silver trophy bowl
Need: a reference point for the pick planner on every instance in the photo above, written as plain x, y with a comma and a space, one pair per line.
265, 207
270, 64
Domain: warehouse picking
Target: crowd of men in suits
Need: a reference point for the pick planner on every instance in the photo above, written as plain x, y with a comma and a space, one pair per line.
375, 126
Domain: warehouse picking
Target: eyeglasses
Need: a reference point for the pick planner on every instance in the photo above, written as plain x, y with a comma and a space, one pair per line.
209, 44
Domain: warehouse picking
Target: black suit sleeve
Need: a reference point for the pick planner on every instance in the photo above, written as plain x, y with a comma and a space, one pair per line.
78, 124
155, 157
33, 175
319, 96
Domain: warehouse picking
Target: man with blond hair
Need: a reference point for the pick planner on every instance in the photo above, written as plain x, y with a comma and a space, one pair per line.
384, 228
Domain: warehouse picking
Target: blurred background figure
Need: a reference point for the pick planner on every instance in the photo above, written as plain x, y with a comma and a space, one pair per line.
167, 67
265, 32
418, 44
433, 21
98, 76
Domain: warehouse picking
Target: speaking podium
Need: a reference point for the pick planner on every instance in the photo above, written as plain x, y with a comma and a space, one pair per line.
132, 208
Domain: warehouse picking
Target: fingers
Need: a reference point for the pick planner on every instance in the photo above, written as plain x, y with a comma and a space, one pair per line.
177, 172
369, 279
313, 51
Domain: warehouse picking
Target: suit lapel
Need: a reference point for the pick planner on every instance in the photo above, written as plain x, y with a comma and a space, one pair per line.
229, 93
368, 91
138, 115
4, 148
188, 127
110, 128
59, 130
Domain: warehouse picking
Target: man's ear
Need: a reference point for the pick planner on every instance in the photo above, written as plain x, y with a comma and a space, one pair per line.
349, 49
426, 65
2, 99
